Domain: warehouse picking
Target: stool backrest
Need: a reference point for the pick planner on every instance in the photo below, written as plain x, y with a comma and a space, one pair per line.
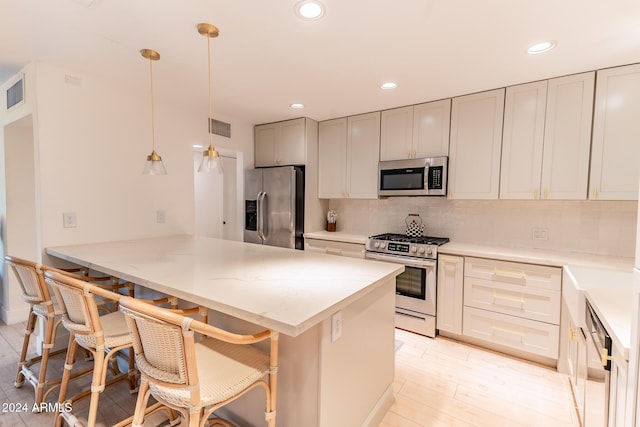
30, 279
164, 345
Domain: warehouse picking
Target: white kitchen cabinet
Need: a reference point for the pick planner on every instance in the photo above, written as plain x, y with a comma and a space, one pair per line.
281, 143
348, 249
572, 359
416, 131
349, 149
475, 145
615, 149
515, 305
567, 137
450, 293
522, 141
618, 389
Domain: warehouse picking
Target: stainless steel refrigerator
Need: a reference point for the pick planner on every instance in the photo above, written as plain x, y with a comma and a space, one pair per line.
274, 206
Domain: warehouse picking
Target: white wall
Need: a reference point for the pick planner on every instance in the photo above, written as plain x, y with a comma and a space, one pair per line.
597, 227
91, 140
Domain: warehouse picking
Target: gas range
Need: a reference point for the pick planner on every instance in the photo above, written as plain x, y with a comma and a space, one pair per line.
401, 244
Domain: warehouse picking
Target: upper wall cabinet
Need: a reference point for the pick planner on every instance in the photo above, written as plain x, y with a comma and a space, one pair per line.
567, 137
416, 131
281, 143
476, 138
522, 140
348, 153
615, 147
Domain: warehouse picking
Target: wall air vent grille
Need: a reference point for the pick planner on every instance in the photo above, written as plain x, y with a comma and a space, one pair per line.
15, 94
220, 128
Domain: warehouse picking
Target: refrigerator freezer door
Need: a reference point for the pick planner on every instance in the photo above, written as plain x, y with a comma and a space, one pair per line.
252, 188
279, 185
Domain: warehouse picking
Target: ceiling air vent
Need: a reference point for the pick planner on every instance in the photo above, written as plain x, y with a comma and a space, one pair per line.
15, 94
220, 128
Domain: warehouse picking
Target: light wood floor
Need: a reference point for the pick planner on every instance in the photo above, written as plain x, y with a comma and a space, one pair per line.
439, 382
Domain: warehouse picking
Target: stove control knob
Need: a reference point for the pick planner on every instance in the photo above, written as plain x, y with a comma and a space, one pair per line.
382, 245
421, 250
413, 249
376, 245
429, 251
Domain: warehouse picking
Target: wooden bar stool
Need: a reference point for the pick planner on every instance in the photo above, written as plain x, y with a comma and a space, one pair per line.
104, 336
196, 378
35, 292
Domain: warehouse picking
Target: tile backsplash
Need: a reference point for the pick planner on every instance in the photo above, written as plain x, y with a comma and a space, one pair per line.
596, 227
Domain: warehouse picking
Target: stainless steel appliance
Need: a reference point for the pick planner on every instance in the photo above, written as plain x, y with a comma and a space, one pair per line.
274, 206
599, 344
413, 177
416, 287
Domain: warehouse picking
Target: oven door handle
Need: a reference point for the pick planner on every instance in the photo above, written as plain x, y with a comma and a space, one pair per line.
401, 260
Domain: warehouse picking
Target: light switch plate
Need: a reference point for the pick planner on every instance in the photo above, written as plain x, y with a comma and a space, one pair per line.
161, 216
336, 326
69, 220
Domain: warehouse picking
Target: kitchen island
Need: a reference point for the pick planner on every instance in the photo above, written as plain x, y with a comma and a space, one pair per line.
328, 376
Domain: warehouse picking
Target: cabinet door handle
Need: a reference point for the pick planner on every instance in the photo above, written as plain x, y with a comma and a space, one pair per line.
536, 194
595, 193
572, 334
545, 193
604, 357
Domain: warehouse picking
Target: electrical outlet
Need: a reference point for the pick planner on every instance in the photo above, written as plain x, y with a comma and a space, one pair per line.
336, 326
161, 216
69, 220
540, 233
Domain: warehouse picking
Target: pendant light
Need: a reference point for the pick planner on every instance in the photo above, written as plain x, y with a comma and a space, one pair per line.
210, 157
154, 165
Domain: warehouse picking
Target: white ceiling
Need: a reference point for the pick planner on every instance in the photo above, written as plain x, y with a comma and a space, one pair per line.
266, 58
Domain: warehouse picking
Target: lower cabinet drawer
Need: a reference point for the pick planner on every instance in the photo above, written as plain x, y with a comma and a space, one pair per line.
353, 250
527, 302
521, 334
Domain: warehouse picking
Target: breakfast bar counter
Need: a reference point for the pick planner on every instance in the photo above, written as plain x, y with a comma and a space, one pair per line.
331, 373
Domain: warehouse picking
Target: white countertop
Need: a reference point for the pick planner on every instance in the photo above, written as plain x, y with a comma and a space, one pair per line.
337, 236
283, 289
536, 256
609, 291
607, 281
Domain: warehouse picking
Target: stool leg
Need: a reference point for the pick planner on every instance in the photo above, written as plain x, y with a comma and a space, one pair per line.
141, 403
68, 365
47, 345
97, 385
31, 321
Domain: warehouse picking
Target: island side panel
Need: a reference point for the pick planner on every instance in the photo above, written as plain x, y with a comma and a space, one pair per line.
357, 370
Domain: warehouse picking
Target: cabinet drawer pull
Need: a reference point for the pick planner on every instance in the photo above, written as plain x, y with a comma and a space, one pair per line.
334, 251
507, 331
508, 298
514, 277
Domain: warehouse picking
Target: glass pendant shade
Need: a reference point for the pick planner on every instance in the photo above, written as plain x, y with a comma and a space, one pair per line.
154, 165
210, 157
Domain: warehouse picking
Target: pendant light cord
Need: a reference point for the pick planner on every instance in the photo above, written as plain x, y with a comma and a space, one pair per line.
210, 103
153, 136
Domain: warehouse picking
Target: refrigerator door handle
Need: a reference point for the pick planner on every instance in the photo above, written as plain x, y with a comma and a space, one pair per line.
262, 211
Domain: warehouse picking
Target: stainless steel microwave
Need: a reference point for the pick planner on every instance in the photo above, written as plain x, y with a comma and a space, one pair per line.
413, 177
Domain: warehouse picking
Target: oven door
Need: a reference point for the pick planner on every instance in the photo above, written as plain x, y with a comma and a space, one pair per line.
416, 286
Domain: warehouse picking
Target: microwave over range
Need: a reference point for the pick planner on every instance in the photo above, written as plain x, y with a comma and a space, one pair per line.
413, 177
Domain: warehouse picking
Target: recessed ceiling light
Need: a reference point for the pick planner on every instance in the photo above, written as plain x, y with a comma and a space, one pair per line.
297, 106
388, 85
198, 146
542, 47
309, 9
